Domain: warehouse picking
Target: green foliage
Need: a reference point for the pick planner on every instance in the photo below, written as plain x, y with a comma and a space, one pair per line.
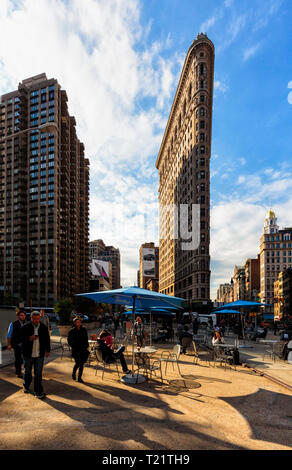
63, 309
85, 305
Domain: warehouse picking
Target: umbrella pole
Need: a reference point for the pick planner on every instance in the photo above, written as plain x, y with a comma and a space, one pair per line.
133, 339
150, 328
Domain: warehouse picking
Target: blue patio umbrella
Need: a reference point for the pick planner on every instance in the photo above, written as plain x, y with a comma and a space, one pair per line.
242, 304
226, 311
135, 297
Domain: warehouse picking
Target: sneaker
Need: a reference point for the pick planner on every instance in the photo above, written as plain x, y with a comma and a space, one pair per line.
25, 390
80, 381
73, 377
40, 396
127, 371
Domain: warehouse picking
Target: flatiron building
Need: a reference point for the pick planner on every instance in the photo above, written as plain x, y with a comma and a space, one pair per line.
183, 163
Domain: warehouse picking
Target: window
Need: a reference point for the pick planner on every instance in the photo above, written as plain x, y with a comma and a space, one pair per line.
202, 124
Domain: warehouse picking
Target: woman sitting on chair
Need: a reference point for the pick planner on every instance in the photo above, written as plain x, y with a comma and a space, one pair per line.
108, 355
107, 338
217, 338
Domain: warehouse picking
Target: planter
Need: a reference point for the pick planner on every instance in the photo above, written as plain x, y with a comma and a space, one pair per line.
64, 330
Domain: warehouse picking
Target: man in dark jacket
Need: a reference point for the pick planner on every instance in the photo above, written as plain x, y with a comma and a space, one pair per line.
35, 340
78, 341
13, 332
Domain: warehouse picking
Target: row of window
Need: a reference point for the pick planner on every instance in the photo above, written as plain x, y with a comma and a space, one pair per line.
43, 173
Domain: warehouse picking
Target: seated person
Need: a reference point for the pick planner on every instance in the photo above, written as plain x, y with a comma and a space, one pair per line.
166, 335
108, 355
217, 338
184, 334
107, 338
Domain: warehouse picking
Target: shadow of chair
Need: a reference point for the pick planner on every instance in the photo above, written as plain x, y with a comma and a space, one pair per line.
104, 364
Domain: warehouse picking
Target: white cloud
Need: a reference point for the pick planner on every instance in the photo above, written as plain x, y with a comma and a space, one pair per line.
220, 86
237, 221
98, 52
251, 51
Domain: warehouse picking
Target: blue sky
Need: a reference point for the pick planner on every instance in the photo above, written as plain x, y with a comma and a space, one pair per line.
120, 62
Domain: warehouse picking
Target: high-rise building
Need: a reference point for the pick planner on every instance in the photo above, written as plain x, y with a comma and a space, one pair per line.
149, 265
275, 255
98, 250
44, 195
184, 178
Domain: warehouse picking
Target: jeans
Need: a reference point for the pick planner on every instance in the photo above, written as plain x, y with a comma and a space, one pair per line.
18, 359
79, 364
119, 354
37, 363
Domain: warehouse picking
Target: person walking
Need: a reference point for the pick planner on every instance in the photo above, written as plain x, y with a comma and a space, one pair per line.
45, 319
12, 343
78, 341
35, 340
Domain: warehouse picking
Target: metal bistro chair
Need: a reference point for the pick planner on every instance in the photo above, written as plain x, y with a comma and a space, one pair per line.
144, 364
269, 350
64, 346
222, 356
171, 357
104, 364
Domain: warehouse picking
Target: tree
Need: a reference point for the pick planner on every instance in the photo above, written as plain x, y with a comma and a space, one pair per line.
63, 308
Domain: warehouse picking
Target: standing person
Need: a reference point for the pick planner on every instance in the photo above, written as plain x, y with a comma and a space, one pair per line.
78, 341
195, 324
116, 322
139, 331
12, 342
45, 319
35, 340
275, 328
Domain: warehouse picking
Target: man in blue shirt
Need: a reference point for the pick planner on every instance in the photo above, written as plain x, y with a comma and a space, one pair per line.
13, 332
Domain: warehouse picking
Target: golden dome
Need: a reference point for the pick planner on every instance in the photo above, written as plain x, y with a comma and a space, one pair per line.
271, 214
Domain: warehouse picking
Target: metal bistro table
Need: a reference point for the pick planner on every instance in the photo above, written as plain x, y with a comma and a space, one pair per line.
145, 350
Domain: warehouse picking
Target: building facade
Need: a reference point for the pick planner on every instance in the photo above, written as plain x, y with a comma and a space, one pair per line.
44, 195
239, 283
148, 265
252, 279
98, 250
100, 275
223, 293
283, 296
184, 179
275, 256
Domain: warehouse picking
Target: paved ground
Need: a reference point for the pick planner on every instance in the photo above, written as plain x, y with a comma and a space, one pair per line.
205, 408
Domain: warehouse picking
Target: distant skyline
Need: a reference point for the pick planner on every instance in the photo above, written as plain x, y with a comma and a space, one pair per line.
120, 62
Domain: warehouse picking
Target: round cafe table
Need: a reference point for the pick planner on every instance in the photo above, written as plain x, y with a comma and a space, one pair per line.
145, 350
